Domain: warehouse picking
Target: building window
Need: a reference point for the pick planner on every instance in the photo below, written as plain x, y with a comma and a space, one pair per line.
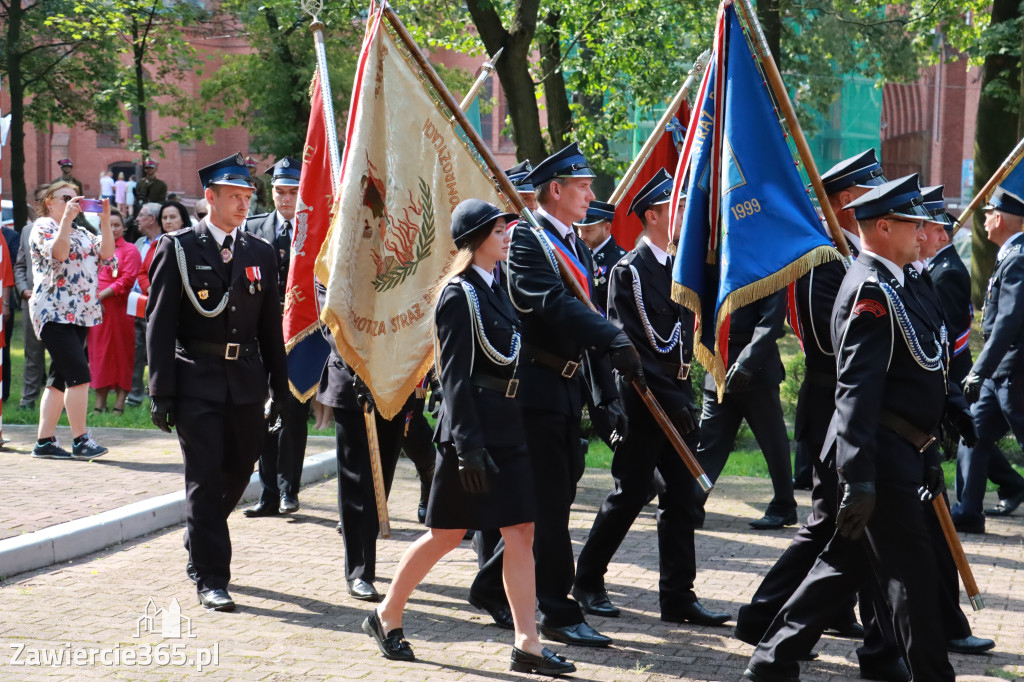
108, 135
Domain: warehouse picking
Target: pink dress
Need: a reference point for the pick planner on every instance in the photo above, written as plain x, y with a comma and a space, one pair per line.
112, 342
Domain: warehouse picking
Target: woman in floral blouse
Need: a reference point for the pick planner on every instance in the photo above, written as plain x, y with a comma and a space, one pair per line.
65, 302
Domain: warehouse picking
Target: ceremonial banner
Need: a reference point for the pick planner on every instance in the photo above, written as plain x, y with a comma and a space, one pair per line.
304, 344
1014, 180
405, 168
748, 228
626, 227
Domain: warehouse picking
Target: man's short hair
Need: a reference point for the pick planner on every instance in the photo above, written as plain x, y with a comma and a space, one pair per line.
544, 191
152, 208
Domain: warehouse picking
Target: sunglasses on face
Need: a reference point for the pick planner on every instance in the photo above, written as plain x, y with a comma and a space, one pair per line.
66, 198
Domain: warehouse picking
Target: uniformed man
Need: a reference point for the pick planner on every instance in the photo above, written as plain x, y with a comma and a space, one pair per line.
662, 332
150, 189
812, 299
562, 339
65, 176
214, 344
284, 447
993, 383
890, 397
259, 203
596, 232
517, 175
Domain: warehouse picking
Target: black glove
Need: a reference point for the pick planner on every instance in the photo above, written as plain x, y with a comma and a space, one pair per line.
972, 386
626, 360
961, 422
934, 483
474, 466
685, 420
616, 415
737, 378
161, 411
434, 402
855, 509
364, 397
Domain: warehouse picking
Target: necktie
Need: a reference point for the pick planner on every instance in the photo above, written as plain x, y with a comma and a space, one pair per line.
287, 230
570, 241
225, 249
496, 287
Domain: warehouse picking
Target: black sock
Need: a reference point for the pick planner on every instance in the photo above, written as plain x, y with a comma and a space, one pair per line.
81, 439
46, 441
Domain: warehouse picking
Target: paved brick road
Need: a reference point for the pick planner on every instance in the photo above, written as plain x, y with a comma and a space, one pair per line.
296, 620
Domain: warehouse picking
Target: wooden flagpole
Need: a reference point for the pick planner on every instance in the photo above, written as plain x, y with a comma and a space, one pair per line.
1009, 163
517, 201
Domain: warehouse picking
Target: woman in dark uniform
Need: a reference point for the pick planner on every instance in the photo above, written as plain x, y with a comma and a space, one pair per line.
482, 477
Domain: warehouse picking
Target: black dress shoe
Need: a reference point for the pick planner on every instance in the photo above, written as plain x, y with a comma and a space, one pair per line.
500, 612
773, 521
191, 572
421, 513
580, 634
596, 603
969, 525
289, 504
548, 663
1007, 506
850, 630
261, 508
894, 671
970, 645
759, 674
217, 600
362, 590
696, 614
393, 644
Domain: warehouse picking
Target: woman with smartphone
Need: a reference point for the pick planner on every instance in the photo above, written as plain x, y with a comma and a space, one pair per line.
65, 302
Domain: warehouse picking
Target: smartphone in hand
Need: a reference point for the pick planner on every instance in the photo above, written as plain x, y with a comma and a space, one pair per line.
91, 205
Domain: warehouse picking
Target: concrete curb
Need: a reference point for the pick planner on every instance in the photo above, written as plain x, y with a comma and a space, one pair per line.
77, 538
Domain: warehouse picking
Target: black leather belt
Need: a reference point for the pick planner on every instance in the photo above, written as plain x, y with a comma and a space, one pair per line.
823, 379
507, 387
566, 368
228, 351
918, 438
680, 371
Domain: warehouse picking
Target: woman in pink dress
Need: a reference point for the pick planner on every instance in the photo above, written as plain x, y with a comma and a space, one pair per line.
121, 194
112, 342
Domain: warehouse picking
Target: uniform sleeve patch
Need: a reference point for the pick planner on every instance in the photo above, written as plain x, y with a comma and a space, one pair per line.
869, 306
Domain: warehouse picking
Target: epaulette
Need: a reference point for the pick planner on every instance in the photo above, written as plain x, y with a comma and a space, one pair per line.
253, 235
623, 261
183, 231
258, 215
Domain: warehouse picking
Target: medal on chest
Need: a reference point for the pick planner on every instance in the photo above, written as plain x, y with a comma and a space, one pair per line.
225, 254
253, 274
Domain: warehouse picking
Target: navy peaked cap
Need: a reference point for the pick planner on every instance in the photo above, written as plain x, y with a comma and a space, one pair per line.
862, 169
565, 163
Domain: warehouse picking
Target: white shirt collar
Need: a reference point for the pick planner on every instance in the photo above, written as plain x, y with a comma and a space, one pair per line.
219, 235
852, 238
658, 253
896, 270
602, 244
1007, 245
487, 277
947, 246
279, 225
559, 226
919, 265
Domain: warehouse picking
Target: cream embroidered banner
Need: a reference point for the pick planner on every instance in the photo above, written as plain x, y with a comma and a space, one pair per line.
404, 169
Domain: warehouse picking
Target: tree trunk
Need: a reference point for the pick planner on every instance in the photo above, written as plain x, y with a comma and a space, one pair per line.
994, 138
139, 55
770, 16
300, 109
555, 96
593, 105
17, 133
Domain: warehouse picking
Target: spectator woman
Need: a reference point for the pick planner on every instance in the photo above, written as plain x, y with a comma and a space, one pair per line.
112, 342
129, 194
107, 186
66, 260
483, 477
173, 216
121, 194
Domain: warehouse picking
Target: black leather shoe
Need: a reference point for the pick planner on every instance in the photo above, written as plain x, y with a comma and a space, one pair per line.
289, 504
894, 671
421, 513
850, 630
191, 572
596, 603
362, 590
759, 674
261, 508
580, 634
500, 612
393, 644
696, 614
773, 521
970, 645
548, 663
217, 600
969, 525
1006, 507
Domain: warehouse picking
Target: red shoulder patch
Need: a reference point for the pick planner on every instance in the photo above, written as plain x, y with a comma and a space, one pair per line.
869, 306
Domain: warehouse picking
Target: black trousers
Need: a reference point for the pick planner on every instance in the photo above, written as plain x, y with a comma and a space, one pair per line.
283, 453
357, 505
646, 452
557, 460
719, 425
220, 443
897, 550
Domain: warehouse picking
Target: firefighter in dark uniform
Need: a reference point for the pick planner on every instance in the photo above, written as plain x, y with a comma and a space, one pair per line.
285, 445
517, 175
596, 232
563, 339
993, 383
662, 331
891, 395
213, 341
810, 310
